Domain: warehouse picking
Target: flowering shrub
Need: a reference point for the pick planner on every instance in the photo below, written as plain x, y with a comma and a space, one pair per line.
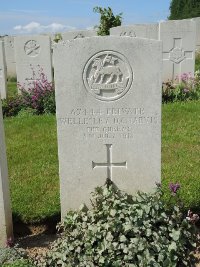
40, 95
39, 98
12, 106
185, 87
124, 230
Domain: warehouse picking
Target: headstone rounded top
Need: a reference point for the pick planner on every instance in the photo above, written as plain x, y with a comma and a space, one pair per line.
108, 75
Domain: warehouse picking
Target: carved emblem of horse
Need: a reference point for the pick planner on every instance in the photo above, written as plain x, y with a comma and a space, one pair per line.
101, 71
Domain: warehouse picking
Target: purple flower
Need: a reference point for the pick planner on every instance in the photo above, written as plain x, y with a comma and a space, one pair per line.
174, 188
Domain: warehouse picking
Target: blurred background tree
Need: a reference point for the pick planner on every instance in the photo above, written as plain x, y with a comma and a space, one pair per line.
184, 9
107, 20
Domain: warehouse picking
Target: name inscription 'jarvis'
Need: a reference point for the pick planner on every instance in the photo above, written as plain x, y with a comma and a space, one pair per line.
108, 122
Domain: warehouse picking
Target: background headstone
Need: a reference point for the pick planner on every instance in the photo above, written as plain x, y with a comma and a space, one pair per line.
32, 53
108, 98
78, 34
137, 30
178, 38
197, 21
3, 76
6, 229
10, 55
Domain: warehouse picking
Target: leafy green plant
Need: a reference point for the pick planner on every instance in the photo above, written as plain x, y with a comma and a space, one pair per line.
124, 230
107, 20
57, 37
12, 106
19, 263
13, 256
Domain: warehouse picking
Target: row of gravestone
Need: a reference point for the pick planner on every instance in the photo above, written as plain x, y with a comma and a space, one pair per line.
108, 101
180, 39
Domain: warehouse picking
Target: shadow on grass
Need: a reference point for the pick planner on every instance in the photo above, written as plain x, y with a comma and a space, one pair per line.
45, 226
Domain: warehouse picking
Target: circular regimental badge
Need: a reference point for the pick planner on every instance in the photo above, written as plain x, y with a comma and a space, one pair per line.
108, 75
32, 48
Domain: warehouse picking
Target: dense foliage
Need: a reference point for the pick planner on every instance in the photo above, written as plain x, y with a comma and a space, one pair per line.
14, 257
39, 98
107, 20
124, 230
183, 9
186, 87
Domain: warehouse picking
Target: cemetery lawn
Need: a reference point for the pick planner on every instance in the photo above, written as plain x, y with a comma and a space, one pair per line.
181, 150
12, 89
33, 167
33, 163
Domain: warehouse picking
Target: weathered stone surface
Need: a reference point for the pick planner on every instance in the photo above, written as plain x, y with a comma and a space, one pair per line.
78, 34
3, 76
6, 229
137, 30
32, 53
108, 96
10, 55
178, 38
197, 21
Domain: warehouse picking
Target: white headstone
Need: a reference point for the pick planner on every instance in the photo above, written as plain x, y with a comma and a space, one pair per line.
32, 53
78, 34
178, 38
3, 76
6, 229
197, 21
10, 55
137, 30
108, 96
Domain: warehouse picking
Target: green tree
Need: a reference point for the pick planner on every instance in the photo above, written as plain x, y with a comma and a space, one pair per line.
107, 20
184, 9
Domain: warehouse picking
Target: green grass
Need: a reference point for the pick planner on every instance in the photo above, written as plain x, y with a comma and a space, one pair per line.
197, 62
33, 163
12, 89
181, 149
33, 167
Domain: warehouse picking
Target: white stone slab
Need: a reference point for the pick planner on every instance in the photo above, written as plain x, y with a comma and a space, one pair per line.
108, 96
178, 38
32, 53
137, 30
78, 34
3, 76
197, 21
10, 55
6, 229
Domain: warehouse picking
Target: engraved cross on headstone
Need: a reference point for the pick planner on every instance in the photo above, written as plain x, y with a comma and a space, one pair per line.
109, 164
177, 55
